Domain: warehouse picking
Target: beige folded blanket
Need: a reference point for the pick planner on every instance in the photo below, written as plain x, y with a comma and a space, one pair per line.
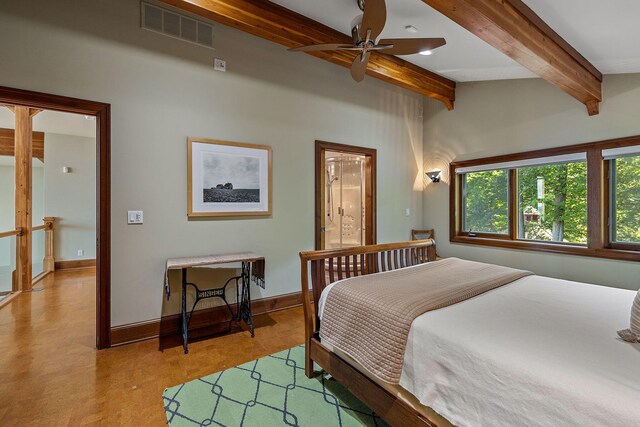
369, 317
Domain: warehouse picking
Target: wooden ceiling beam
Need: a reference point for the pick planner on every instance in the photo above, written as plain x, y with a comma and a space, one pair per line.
283, 26
8, 145
514, 29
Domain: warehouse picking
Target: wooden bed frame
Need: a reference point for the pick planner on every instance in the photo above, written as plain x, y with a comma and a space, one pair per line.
328, 266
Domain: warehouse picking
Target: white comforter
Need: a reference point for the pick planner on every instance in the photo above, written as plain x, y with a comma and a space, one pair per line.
536, 352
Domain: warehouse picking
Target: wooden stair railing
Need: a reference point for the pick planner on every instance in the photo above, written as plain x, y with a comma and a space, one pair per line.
49, 259
17, 233
48, 262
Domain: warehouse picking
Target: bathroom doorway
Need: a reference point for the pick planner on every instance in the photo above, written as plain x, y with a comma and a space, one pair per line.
345, 196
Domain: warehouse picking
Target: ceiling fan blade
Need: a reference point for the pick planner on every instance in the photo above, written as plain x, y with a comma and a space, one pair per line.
359, 66
410, 46
374, 18
326, 46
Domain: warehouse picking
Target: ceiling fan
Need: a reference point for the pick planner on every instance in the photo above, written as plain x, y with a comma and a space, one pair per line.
365, 30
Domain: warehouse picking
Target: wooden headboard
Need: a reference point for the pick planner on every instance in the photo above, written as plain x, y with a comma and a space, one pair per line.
330, 265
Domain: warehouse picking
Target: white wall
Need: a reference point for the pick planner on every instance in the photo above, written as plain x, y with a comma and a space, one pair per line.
71, 197
37, 213
163, 90
37, 193
502, 117
7, 194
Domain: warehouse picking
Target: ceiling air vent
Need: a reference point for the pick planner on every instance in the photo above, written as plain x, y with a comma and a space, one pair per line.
176, 25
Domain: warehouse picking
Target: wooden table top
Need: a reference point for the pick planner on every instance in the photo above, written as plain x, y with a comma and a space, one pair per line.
185, 262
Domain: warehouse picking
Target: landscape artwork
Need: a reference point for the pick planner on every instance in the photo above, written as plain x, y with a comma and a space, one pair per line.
228, 178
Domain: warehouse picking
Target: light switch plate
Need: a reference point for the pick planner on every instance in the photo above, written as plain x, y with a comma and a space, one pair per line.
407, 212
135, 217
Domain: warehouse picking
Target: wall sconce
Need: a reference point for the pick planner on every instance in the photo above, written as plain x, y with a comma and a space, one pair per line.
434, 176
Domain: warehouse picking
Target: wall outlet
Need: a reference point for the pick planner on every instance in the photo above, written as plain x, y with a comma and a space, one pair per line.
80, 252
219, 64
407, 212
135, 217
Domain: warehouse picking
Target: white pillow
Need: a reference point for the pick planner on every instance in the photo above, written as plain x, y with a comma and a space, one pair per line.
633, 333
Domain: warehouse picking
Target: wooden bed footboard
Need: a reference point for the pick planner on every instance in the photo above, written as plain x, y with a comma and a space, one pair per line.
327, 266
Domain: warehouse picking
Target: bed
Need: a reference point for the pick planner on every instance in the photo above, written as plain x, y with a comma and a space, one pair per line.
535, 351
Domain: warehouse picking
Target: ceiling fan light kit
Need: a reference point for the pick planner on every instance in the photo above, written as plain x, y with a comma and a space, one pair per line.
365, 29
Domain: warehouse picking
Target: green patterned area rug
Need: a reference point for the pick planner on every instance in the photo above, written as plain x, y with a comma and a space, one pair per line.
272, 391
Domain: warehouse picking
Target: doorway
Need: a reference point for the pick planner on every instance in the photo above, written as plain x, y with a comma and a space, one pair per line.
27, 104
345, 195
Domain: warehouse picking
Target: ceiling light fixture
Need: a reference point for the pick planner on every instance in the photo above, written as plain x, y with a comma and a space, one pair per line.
411, 29
426, 52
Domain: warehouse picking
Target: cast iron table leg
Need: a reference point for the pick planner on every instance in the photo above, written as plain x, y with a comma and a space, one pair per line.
246, 295
185, 325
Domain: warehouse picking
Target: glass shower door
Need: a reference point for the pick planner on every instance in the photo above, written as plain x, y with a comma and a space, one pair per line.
344, 201
351, 202
332, 205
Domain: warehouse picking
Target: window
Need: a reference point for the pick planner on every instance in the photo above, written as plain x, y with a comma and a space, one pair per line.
580, 200
486, 202
625, 200
553, 203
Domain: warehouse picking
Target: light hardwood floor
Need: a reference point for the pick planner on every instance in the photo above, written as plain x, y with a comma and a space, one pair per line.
51, 374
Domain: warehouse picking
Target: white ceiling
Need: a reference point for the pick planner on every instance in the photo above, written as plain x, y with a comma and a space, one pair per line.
54, 122
604, 32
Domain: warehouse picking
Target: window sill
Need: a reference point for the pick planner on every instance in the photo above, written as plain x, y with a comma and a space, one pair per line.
557, 248
626, 246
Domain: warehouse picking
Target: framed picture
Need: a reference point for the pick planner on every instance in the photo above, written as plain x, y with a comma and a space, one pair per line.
228, 178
